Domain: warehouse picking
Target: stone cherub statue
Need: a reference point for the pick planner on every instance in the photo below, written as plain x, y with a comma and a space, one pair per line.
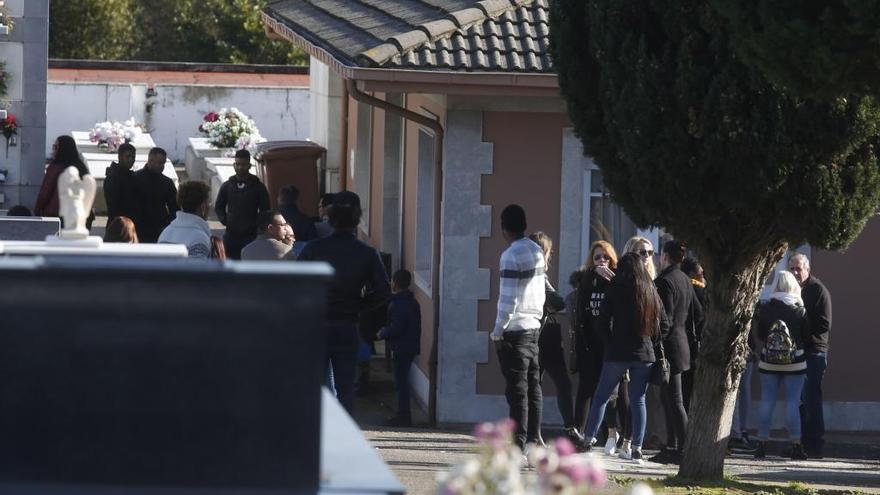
75, 198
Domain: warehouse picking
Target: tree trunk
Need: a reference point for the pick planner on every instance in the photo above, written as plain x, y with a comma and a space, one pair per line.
732, 296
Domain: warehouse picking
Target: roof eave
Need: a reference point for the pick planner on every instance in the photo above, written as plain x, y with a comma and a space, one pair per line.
400, 76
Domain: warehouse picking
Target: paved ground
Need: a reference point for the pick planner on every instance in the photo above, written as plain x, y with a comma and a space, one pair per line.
417, 455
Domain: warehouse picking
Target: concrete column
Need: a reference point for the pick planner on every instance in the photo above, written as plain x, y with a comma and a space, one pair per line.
326, 117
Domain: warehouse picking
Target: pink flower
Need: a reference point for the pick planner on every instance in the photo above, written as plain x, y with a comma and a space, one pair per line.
564, 447
212, 117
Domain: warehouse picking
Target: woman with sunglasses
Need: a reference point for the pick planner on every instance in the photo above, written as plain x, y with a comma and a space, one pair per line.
631, 319
642, 247
589, 350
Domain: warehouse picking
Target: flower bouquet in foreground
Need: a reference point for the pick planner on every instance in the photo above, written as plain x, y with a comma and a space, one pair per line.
110, 135
497, 468
230, 128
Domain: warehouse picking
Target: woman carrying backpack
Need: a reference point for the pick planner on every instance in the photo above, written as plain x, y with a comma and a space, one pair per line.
782, 326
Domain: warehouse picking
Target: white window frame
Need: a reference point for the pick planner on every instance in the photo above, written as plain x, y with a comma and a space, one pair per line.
361, 163
424, 277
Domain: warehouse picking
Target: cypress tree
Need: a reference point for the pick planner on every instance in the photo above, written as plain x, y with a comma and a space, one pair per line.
815, 48
689, 137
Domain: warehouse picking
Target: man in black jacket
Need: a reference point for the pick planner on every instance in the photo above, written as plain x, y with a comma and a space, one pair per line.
303, 226
360, 283
119, 191
817, 301
681, 305
240, 200
156, 198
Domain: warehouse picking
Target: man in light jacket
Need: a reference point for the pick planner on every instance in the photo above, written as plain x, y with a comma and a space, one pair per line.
275, 241
190, 227
520, 309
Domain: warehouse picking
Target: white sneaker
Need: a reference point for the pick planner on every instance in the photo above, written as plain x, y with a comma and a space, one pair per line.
625, 451
628, 454
611, 444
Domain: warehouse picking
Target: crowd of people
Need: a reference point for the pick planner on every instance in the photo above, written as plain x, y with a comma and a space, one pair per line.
632, 327
144, 206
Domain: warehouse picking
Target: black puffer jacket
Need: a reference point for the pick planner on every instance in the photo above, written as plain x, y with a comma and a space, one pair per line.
238, 204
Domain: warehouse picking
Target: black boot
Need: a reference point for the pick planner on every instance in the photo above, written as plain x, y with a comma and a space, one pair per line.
797, 452
760, 449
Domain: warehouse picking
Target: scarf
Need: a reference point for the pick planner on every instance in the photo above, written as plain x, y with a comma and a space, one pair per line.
789, 299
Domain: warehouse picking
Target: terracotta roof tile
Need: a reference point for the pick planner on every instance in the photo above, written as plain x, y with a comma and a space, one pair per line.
460, 35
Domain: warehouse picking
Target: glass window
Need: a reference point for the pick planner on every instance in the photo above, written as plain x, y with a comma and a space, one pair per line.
608, 222
425, 210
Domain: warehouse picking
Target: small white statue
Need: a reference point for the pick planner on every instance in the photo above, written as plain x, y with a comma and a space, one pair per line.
75, 198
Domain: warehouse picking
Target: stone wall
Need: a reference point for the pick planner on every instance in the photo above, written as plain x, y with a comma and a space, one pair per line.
173, 112
25, 52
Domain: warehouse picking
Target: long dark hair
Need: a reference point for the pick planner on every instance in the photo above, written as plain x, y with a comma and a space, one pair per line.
66, 153
631, 272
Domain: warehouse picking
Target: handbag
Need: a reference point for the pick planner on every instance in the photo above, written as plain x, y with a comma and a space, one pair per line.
660, 371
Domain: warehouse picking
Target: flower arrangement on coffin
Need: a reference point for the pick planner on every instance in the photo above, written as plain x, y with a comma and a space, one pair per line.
497, 468
9, 128
230, 128
109, 135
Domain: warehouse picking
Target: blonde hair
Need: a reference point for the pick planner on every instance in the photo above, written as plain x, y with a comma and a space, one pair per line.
546, 243
609, 250
786, 283
630, 247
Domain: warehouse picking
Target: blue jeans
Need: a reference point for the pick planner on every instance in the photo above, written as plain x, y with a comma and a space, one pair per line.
612, 373
812, 416
794, 385
743, 401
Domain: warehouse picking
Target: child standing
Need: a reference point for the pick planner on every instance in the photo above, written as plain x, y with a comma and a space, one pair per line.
403, 336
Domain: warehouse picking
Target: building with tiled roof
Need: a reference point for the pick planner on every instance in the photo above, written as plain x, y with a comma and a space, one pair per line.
439, 113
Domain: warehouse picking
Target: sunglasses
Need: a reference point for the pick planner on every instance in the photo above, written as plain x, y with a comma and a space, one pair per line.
601, 257
646, 253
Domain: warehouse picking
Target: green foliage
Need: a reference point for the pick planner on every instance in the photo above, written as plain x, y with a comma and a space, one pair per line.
690, 138
92, 29
4, 84
210, 31
816, 48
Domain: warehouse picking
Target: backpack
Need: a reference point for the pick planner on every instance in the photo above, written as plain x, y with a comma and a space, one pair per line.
780, 347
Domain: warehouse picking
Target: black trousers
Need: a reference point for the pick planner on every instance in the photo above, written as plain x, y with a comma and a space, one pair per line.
589, 367
234, 244
552, 361
402, 364
672, 398
518, 357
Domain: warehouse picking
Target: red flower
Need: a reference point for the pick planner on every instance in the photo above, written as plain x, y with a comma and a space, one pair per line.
212, 117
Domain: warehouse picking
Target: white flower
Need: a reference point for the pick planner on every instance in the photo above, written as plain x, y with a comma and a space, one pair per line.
640, 489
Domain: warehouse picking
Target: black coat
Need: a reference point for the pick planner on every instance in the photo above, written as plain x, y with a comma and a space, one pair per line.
119, 192
817, 301
157, 204
679, 302
359, 283
302, 225
404, 330
618, 325
238, 204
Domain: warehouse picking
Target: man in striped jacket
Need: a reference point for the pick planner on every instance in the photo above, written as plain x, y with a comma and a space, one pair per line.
520, 308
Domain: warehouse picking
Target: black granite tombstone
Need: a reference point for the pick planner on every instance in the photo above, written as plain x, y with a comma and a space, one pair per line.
160, 376
28, 228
